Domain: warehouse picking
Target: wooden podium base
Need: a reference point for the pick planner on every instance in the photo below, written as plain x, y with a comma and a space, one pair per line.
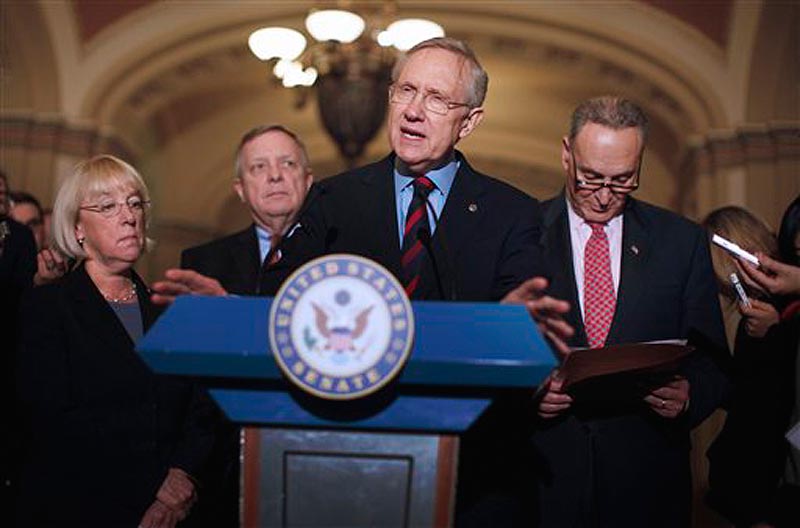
302, 477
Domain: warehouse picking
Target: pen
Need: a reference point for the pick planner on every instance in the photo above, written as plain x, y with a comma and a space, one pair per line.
737, 285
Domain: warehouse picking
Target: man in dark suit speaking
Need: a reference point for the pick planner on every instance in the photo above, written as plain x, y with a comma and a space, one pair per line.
445, 230
632, 272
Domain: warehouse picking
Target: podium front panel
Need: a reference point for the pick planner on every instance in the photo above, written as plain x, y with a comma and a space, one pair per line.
333, 478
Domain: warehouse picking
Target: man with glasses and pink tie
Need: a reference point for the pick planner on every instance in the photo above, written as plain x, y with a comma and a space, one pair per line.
632, 272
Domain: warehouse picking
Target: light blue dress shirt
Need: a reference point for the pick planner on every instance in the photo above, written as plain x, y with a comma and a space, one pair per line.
265, 240
442, 177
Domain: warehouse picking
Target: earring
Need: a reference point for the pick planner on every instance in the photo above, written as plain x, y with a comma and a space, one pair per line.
80, 241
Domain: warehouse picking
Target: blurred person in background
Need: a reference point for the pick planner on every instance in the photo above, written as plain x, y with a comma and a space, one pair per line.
106, 441
754, 472
47, 216
26, 210
17, 266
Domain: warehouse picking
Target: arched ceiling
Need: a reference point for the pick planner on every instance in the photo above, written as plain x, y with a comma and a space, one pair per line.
167, 77
710, 18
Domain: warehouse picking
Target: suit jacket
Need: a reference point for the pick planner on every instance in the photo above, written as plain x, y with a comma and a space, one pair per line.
235, 260
484, 246
17, 267
625, 465
101, 428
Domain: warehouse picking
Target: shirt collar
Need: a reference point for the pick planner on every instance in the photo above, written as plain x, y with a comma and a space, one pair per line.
442, 177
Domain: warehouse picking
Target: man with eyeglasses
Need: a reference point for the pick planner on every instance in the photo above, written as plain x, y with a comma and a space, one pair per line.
447, 232
632, 272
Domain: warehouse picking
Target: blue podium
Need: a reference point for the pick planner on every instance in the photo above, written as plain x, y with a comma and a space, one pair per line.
388, 459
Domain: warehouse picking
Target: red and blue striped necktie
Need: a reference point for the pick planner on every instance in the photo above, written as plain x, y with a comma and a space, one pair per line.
413, 252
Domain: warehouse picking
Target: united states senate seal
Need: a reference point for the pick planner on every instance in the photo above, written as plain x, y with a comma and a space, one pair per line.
341, 327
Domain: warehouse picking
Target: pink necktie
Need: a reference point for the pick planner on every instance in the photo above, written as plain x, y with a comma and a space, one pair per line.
599, 298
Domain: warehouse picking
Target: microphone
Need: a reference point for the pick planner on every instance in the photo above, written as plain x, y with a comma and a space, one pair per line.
425, 239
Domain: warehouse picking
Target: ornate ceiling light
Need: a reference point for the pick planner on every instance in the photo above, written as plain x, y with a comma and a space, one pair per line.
349, 62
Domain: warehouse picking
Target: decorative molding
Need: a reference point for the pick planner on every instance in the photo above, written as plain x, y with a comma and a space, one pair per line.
55, 134
745, 144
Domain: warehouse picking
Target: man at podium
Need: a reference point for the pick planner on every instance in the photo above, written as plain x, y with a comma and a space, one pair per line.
445, 230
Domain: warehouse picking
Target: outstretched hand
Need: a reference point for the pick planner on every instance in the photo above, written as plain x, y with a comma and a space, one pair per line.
775, 277
184, 282
546, 311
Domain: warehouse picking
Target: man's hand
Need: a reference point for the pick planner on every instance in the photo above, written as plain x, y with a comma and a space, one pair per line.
177, 491
159, 515
50, 265
775, 277
554, 401
184, 282
759, 317
670, 400
174, 499
546, 311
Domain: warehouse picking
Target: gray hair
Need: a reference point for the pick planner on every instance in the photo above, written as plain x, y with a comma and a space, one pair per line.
610, 111
479, 79
90, 178
260, 130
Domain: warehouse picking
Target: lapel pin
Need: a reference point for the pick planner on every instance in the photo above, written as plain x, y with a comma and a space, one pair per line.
635, 250
472, 207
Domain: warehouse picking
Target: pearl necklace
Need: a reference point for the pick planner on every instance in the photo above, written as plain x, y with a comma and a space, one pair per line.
123, 298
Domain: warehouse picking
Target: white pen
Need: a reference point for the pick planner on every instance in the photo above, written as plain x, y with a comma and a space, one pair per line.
737, 285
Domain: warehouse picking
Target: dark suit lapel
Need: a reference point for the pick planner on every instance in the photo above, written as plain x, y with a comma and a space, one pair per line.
463, 211
381, 205
149, 311
460, 218
246, 256
635, 254
557, 249
93, 313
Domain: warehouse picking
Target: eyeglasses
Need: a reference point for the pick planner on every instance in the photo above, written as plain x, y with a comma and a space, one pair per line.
594, 184
436, 103
111, 209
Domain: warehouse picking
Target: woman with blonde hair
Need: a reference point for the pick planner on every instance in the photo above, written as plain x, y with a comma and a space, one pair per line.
108, 442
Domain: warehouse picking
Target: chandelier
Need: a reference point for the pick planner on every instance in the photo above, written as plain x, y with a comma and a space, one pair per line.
348, 64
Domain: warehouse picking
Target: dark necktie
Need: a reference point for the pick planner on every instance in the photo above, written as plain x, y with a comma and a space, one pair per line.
414, 254
274, 254
599, 298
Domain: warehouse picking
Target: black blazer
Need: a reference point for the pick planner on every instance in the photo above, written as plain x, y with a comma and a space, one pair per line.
484, 246
627, 466
235, 260
101, 428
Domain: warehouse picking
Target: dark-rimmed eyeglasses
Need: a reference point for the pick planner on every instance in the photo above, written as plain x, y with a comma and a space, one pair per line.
436, 103
110, 209
594, 184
